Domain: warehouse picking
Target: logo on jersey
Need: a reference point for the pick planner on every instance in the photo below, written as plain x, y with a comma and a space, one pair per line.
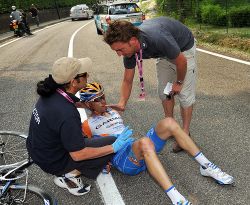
108, 121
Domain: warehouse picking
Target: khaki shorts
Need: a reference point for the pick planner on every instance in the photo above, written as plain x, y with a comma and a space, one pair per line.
166, 72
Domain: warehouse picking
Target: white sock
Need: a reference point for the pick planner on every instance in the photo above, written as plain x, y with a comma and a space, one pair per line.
174, 195
201, 159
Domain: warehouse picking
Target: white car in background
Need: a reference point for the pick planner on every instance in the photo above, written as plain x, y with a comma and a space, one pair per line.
109, 12
81, 11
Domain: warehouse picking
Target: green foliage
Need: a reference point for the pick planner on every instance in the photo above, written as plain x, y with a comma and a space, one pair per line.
240, 16
215, 32
213, 14
161, 5
5, 5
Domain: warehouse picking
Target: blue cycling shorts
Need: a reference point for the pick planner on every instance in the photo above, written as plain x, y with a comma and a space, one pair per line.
125, 160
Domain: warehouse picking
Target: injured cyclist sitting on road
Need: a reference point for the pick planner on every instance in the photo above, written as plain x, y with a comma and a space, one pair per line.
138, 155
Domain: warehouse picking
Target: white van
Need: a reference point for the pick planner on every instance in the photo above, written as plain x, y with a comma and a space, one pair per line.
81, 11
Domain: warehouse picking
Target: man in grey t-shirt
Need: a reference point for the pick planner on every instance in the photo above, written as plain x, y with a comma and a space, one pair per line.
173, 45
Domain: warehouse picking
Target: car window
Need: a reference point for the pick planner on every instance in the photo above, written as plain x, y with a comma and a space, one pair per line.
85, 8
123, 9
103, 9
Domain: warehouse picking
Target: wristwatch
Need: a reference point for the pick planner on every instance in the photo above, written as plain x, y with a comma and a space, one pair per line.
180, 82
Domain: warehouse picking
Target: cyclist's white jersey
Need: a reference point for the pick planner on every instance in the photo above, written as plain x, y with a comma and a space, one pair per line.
103, 125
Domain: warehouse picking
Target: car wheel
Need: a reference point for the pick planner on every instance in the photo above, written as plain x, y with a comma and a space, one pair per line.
72, 19
98, 31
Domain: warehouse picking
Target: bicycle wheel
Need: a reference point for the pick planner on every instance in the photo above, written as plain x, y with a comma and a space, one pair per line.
34, 196
12, 147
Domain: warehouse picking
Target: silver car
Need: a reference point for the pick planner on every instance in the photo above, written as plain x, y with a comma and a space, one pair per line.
81, 11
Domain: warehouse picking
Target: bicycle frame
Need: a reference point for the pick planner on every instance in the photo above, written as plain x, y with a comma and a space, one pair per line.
15, 168
10, 181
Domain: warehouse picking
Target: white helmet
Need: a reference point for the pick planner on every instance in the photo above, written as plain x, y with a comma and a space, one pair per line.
13, 7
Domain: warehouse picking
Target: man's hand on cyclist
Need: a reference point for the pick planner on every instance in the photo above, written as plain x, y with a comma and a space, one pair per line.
117, 107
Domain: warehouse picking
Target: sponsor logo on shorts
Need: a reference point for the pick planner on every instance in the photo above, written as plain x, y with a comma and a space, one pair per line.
134, 161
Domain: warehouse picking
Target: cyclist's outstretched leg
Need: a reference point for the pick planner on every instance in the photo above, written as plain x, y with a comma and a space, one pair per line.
169, 127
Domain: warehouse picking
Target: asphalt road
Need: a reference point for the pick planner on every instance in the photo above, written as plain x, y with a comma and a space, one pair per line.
220, 124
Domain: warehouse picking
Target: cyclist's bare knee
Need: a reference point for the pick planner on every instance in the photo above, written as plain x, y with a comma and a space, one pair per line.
142, 146
166, 127
146, 145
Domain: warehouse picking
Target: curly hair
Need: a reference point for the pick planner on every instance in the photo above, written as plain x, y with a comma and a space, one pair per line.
121, 31
47, 87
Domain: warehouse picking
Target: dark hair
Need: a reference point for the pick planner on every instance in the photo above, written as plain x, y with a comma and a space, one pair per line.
47, 87
121, 31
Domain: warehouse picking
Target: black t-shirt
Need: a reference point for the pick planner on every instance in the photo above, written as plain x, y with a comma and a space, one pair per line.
33, 12
55, 130
162, 37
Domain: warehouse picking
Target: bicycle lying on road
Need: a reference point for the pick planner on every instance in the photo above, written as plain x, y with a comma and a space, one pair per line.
13, 192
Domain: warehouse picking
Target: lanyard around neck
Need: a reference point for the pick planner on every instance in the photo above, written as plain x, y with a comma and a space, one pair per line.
140, 69
65, 95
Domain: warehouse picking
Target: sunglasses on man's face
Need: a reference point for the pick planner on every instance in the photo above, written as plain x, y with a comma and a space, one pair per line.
98, 98
84, 75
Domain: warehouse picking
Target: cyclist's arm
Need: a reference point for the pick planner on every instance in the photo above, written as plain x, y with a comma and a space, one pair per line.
91, 152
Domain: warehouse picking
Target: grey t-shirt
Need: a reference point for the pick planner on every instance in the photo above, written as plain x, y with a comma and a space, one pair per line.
162, 37
16, 15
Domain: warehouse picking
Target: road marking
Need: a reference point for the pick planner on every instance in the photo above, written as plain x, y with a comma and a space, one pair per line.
47, 27
10, 42
223, 56
105, 182
70, 50
110, 193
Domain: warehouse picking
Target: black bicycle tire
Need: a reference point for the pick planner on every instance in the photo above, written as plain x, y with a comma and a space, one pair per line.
47, 199
15, 134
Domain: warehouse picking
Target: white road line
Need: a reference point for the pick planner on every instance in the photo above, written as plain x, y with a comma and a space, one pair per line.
71, 42
105, 183
110, 193
10, 42
223, 56
47, 27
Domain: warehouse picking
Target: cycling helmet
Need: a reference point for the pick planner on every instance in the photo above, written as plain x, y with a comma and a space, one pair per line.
13, 8
90, 91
